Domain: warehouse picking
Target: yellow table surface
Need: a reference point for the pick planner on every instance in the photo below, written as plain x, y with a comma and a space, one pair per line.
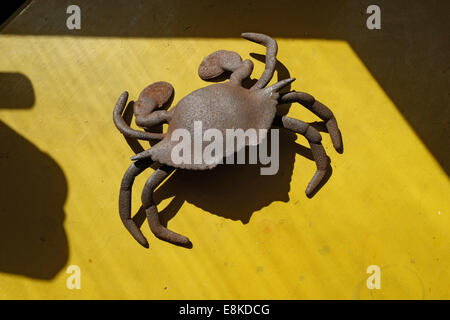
62, 161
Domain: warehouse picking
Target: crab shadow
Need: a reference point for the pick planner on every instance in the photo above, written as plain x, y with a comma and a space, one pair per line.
232, 191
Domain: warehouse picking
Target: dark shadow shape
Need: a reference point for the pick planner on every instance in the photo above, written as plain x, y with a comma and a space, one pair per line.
33, 191
234, 191
33, 241
16, 91
139, 217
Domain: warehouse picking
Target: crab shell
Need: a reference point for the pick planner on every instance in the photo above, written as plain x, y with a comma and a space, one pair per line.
219, 106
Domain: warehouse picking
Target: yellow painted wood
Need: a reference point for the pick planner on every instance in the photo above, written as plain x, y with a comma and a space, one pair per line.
385, 204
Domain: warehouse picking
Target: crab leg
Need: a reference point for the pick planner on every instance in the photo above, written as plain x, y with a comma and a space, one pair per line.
319, 110
314, 138
279, 85
271, 56
125, 199
151, 210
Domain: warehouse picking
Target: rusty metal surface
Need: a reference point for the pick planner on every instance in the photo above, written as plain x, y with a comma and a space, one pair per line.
221, 106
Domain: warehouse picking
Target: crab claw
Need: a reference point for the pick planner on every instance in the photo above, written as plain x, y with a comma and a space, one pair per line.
217, 63
153, 96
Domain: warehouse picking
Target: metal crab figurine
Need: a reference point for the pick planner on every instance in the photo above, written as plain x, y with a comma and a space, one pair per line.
220, 106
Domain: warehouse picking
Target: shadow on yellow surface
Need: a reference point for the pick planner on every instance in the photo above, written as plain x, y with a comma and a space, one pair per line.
234, 191
16, 91
33, 242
